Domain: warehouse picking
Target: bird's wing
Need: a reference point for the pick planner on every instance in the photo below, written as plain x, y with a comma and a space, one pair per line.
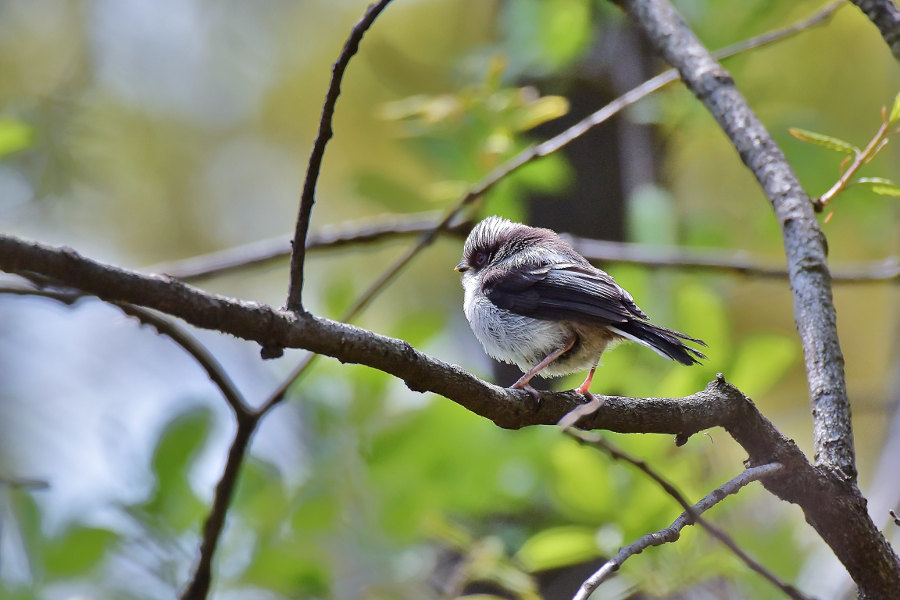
562, 292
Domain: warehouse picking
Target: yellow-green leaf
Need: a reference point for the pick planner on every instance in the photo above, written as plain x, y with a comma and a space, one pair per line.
895, 110
14, 136
825, 141
559, 547
540, 111
880, 185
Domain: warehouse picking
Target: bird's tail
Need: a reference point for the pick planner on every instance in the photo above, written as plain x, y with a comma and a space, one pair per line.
665, 342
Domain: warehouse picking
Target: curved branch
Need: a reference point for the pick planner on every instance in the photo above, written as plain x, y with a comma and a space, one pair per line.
803, 240
189, 344
836, 510
308, 195
868, 557
886, 17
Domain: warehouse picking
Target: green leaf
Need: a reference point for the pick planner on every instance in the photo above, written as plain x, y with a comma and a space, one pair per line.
14, 136
825, 141
558, 547
564, 29
880, 185
178, 446
79, 550
540, 111
895, 110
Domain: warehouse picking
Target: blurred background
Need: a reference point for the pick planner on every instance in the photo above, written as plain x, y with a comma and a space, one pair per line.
143, 132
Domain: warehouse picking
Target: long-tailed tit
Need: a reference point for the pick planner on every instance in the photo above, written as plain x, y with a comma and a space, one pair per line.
534, 302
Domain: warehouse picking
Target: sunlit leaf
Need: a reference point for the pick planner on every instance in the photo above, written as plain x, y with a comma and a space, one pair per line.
14, 136
880, 186
825, 141
564, 29
895, 109
173, 500
285, 567
575, 464
79, 550
558, 547
540, 111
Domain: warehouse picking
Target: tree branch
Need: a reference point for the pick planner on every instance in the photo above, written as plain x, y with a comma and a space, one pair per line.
308, 195
833, 507
886, 17
189, 344
277, 248
274, 249
803, 240
198, 587
810, 284
555, 144
671, 533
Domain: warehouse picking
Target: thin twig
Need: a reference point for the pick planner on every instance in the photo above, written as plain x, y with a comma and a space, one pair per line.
347, 234
192, 346
859, 159
597, 441
599, 251
279, 393
673, 532
265, 251
308, 195
199, 584
163, 326
560, 141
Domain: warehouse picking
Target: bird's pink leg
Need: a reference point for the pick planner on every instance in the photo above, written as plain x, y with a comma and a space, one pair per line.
585, 387
522, 383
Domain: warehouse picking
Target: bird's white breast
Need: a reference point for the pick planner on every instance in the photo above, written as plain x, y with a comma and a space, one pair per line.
507, 336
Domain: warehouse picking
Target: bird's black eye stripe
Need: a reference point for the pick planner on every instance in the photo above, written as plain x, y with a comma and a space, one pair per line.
479, 258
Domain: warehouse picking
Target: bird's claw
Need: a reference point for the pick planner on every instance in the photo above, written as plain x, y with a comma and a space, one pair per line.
535, 395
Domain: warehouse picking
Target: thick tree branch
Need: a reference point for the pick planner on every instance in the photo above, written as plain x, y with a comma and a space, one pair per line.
803, 240
865, 548
831, 505
308, 195
886, 17
671, 533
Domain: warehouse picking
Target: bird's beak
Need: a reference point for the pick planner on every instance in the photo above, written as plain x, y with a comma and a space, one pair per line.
461, 267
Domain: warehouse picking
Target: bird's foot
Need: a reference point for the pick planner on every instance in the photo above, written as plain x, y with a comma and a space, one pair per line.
535, 395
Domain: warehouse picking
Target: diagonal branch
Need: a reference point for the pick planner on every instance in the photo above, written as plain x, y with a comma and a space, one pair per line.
803, 240
809, 276
671, 533
886, 17
198, 351
563, 139
835, 509
308, 196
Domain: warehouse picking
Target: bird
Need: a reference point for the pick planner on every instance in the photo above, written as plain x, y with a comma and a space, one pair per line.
533, 301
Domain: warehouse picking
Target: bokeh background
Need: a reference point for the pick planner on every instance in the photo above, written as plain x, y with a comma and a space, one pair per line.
146, 132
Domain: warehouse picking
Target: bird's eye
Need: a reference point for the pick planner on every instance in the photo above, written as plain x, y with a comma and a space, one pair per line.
479, 259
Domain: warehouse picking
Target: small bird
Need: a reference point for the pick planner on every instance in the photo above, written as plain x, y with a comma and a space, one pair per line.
534, 302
